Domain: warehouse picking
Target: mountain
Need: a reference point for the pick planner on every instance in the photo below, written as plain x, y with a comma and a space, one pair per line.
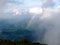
14, 27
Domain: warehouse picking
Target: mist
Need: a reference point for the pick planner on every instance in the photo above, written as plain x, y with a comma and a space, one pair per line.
42, 27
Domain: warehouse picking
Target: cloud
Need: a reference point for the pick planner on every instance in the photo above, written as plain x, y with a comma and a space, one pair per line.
16, 2
46, 13
48, 3
2, 3
36, 10
46, 24
52, 34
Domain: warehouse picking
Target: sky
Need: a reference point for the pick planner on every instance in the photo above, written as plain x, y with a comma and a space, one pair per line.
47, 13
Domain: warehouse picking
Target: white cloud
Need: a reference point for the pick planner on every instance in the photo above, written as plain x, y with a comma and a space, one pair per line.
16, 12
46, 13
36, 10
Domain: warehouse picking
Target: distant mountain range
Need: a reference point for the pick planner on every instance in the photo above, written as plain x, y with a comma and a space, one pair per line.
14, 27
